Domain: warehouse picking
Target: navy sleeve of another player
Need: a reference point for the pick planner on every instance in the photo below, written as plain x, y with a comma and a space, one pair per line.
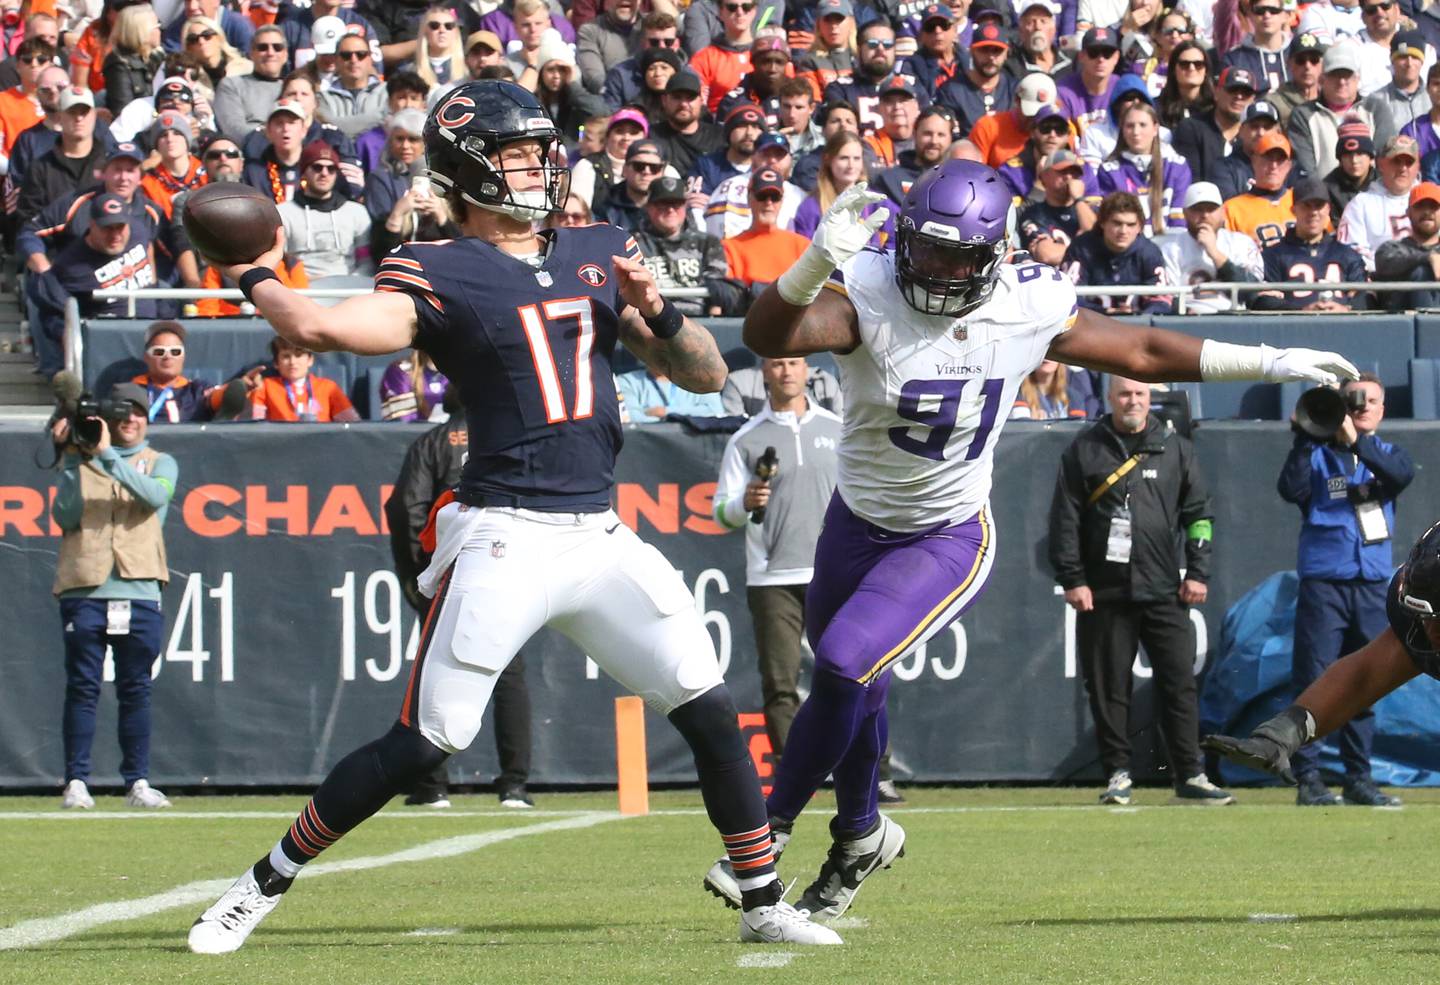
401, 272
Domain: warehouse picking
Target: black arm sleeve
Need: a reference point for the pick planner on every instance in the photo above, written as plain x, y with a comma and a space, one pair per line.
1065, 510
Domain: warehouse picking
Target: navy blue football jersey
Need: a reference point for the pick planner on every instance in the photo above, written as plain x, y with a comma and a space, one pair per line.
1406, 625
529, 349
1292, 261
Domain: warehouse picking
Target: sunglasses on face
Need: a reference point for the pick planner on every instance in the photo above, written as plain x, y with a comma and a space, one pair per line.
158, 351
323, 168
230, 155
876, 43
440, 25
32, 60
647, 167
1375, 7
202, 36
352, 56
263, 46
1266, 11
770, 198
738, 8
1186, 63
663, 42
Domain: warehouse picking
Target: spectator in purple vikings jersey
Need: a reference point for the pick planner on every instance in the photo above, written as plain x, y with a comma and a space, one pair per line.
1204, 140
1309, 253
1050, 132
1187, 91
983, 88
833, 118
1100, 137
1142, 165
1262, 52
1416, 255
1170, 30
1425, 127
1114, 254
412, 389
1047, 228
1085, 93
843, 164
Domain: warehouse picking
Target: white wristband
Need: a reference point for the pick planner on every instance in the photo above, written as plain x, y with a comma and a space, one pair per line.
1227, 361
802, 283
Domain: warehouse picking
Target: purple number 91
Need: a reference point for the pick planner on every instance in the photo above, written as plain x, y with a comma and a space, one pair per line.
944, 395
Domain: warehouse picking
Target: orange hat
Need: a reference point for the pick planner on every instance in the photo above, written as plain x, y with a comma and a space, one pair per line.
1426, 191
1274, 140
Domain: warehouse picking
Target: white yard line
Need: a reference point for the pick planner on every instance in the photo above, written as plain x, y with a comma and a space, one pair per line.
29, 933
765, 959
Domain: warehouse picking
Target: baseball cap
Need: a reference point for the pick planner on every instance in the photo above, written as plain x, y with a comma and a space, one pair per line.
164, 326
109, 210
1097, 38
286, 106
169, 120
1035, 91
631, 116
772, 138
1401, 144
1310, 42
1274, 140
318, 150
175, 87
937, 11
1341, 58
128, 149
1203, 193
644, 147
1311, 190
1061, 157
988, 35
684, 81
131, 393
1047, 112
325, 34
1426, 191
742, 115
842, 7
897, 84
1232, 77
1021, 6
767, 179
76, 96
667, 189
1261, 108
770, 42
1408, 43
489, 39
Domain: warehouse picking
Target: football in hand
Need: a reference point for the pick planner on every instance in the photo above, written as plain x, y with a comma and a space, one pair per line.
230, 222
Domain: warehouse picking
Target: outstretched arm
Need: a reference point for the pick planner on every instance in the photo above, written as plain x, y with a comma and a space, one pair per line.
689, 357
1156, 355
369, 325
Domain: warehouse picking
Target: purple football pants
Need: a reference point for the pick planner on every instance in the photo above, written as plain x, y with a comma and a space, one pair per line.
875, 597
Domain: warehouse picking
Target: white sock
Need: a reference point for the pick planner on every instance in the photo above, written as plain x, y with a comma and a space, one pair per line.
282, 864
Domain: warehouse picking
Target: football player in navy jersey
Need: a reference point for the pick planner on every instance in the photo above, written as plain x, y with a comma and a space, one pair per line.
1408, 647
525, 325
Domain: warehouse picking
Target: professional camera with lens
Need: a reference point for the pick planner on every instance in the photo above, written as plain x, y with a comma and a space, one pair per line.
84, 423
1354, 399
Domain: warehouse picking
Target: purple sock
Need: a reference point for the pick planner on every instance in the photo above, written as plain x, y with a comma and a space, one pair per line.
856, 797
823, 731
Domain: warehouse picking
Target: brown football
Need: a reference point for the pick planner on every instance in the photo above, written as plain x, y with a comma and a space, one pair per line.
229, 222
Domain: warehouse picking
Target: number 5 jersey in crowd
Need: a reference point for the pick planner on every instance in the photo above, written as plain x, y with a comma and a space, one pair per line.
927, 395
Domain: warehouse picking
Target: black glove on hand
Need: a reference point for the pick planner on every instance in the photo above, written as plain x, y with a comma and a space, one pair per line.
1271, 745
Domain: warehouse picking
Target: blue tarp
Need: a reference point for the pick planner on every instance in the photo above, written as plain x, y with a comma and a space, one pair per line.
1250, 681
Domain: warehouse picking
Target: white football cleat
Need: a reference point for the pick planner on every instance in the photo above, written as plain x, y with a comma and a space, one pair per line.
142, 794
77, 796
848, 864
721, 882
224, 927
781, 923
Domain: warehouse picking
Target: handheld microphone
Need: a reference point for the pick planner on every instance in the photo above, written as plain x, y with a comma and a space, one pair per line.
765, 470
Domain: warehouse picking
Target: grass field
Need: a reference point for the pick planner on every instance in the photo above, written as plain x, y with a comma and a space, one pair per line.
997, 886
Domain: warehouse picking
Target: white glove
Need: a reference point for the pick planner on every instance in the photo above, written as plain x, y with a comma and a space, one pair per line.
1325, 368
842, 233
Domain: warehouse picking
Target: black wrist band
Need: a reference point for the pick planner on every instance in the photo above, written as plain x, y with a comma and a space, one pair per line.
252, 277
667, 324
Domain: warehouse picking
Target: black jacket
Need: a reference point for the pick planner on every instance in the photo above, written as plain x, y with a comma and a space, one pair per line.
55, 176
128, 77
1166, 495
432, 465
1198, 139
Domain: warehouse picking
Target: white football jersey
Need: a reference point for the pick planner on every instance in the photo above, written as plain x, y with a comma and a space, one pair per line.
927, 395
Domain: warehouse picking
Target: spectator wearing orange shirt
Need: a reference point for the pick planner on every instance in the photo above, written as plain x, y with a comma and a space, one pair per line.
899, 111
292, 273
178, 170
763, 252
294, 394
1002, 136
723, 64
87, 58
20, 107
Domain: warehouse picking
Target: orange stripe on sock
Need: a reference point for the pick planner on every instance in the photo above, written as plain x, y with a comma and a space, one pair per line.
320, 825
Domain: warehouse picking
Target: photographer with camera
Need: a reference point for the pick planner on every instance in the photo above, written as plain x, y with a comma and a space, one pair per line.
110, 505
1345, 481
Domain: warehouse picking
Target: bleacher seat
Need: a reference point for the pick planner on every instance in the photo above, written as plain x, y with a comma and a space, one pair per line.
1425, 388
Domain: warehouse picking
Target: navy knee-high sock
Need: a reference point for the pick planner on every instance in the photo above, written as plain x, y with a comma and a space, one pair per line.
824, 729
856, 797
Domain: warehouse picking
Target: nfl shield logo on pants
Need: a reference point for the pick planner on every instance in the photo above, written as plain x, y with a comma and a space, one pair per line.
497, 548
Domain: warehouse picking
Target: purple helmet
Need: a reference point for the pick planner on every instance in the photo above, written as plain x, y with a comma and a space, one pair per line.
954, 229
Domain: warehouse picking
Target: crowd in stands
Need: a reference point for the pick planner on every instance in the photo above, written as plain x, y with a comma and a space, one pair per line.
1147, 146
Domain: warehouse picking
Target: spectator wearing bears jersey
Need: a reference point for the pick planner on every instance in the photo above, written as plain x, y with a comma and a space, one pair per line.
937, 60
877, 63
1114, 253
984, 88
1308, 253
1204, 251
769, 68
294, 393
1047, 228
1379, 214
1264, 212
933, 136
1415, 256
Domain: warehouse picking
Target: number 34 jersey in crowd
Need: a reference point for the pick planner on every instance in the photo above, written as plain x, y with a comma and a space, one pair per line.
927, 395
530, 349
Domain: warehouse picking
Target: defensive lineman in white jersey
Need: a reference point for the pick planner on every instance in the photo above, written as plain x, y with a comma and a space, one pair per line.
933, 342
